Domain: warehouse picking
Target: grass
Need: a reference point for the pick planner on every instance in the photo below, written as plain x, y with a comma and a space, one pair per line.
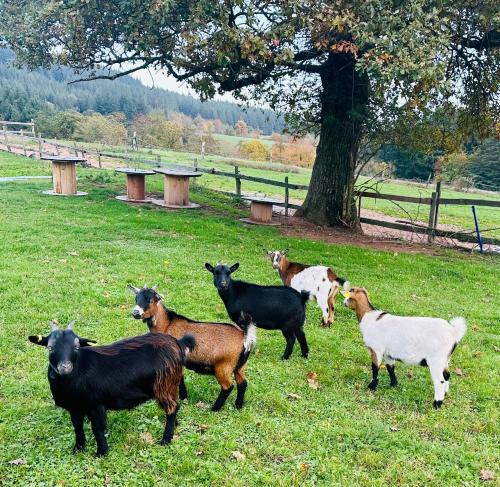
71, 258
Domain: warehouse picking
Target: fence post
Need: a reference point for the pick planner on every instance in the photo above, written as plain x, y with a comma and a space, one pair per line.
22, 143
436, 211
99, 160
40, 145
195, 164
238, 180
287, 195
359, 207
432, 214
76, 150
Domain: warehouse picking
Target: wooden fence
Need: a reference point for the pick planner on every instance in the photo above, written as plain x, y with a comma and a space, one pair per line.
434, 201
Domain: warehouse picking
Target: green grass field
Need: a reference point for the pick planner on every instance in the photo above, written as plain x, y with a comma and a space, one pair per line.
71, 258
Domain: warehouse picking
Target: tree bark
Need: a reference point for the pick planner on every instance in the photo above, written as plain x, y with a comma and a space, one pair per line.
344, 102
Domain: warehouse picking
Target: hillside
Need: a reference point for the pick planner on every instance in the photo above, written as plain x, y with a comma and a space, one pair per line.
23, 93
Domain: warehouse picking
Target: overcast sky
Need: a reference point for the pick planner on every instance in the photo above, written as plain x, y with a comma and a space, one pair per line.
162, 80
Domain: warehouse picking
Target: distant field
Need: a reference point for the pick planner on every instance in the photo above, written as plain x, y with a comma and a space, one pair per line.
235, 140
459, 216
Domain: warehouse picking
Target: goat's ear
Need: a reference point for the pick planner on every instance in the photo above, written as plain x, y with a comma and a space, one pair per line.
209, 268
133, 289
85, 342
39, 340
284, 252
234, 267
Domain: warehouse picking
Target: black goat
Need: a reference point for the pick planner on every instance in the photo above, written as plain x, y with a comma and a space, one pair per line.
271, 307
88, 381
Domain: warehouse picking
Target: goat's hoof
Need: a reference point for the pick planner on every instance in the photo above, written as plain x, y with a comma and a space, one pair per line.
285, 357
394, 383
78, 448
166, 441
305, 355
238, 405
101, 453
373, 385
437, 404
216, 408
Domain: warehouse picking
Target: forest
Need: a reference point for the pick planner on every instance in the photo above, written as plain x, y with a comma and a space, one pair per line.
25, 93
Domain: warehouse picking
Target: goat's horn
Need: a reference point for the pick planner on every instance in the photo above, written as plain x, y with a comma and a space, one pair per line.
53, 325
347, 286
154, 287
134, 289
71, 324
145, 286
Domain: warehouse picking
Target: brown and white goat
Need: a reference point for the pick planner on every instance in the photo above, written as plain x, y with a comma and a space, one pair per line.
222, 349
321, 282
409, 339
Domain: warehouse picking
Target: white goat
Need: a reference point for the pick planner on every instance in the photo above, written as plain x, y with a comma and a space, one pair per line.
413, 340
321, 282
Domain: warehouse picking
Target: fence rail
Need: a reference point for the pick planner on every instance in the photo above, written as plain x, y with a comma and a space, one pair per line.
435, 201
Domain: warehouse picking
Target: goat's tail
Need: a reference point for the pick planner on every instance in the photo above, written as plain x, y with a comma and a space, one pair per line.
340, 280
187, 344
460, 326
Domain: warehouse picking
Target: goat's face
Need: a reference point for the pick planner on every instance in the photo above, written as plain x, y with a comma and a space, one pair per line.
276, 257
146, 302
222, 274
356, 297
63, 347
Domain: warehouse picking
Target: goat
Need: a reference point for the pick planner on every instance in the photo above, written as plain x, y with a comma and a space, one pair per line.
321, 282
221, 348
271, 307
412, 340
86, 381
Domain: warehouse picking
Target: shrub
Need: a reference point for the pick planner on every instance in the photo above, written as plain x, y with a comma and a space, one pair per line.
254, 149
94, 127
156, 131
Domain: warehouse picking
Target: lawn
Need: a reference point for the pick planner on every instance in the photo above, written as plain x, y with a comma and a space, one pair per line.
71, 258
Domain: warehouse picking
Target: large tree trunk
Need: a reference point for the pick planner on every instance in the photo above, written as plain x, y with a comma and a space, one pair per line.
344, 101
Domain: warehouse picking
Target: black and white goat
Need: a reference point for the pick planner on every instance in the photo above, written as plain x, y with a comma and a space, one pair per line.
412, 340
271, 307
86, 381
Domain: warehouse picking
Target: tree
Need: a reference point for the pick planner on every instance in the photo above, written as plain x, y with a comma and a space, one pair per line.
156, 131
339, 67
241, 128
254, 149
485, 166
94, 127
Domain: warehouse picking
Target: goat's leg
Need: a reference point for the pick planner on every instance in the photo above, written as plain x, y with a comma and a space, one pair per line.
241, 385
376, 361
446, 375
223, 376
301, 338
183, 393
77, 418
290, 341
331, 303
168, 432
389, 364
436, 369
97, 418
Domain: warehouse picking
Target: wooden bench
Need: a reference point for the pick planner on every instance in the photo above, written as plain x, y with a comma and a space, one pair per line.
64, 175
176, 188
136, 185
261, 210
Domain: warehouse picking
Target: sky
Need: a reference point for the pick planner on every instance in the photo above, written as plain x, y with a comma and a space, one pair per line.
159, 79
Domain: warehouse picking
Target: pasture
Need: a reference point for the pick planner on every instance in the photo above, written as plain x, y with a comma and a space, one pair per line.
72, 258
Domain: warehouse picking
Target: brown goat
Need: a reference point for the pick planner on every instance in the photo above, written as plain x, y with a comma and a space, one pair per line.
222, 349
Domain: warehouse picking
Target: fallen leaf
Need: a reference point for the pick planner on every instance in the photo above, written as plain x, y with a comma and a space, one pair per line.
393, 428
292, 395
237, 455
497, 349
199, 453
18, 461
486, 475
63, 261
202, 405
73, 254
312, 380
459, 372
106, 479
304, 467
147, 437
201, 428
477, 354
